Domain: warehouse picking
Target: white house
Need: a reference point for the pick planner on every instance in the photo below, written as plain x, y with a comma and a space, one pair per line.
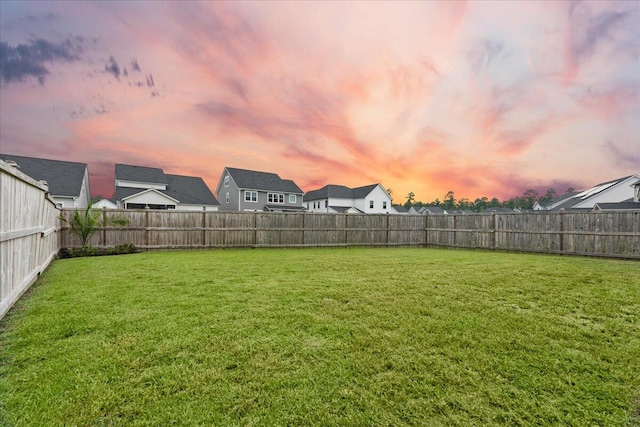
615, 191
140, 187
105, 204
340, 199
68, 181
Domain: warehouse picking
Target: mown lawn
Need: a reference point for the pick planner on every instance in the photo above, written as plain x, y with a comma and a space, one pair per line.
330, 337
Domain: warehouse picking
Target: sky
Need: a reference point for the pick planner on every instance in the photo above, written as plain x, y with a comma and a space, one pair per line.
481, 98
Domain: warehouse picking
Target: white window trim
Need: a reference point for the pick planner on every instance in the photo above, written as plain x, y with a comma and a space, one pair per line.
292, 198
227, 179
249, 193
275, 198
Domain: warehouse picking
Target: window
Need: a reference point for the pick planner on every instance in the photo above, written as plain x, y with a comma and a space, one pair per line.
384, 205
275, 198
326, 203
250, 196
227, 197
371, 204
292, 198
226, 181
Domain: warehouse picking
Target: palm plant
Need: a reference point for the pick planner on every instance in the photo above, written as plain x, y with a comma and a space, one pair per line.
85, 223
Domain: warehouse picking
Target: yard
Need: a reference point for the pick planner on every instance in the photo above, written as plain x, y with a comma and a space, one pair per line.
325, 337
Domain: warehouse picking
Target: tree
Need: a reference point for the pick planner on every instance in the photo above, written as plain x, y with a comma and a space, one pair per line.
449, 202
410, 199
85, 223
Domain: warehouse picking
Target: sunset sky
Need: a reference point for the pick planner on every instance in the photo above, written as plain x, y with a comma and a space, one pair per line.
482, 98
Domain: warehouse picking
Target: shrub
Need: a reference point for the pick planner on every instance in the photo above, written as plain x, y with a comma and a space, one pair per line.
127, 248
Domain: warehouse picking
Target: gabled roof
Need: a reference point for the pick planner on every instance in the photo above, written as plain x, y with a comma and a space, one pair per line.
64, 178
189, 190
265, 181
579, 198
626, 205
432, 210
556, 200
362, 192
339, 192
125, 193
140, 174
335, 191
400, 208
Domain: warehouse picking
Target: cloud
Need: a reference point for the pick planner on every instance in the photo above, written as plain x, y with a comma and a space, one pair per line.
113, 68
622, 155
134, 65
17, 63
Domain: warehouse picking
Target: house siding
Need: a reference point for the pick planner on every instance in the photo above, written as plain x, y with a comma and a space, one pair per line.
617, 193
236, 197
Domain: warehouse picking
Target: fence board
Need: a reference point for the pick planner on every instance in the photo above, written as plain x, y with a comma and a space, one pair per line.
29, 233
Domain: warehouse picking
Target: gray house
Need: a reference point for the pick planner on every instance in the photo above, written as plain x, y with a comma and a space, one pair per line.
68, 181
141, 187
247, 190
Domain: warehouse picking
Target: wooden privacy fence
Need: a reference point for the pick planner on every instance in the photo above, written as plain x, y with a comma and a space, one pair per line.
29, 233
609, 234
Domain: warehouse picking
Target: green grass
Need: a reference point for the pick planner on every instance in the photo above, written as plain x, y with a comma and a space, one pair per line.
325, 337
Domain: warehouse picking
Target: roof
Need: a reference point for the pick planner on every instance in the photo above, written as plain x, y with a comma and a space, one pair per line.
265, 181
555, 200
626, 205
284, 208
339, 192
189, 190
400, 208
64, 178
140, 174
432, 209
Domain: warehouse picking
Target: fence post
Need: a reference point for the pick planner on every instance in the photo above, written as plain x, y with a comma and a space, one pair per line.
387, 233
561, 232
255, 228
426, 230
303, 215
104, 227
146, 233
346, 229
494, 226
204, 227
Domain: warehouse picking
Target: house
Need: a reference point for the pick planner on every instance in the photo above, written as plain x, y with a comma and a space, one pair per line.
631, 204
247, 190
68, 181
427, 210
400, 209
547, 205
618, 190
140, 187
496, 209
339, 199
105, 204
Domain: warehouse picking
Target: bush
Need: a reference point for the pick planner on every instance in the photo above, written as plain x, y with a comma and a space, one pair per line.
127, 248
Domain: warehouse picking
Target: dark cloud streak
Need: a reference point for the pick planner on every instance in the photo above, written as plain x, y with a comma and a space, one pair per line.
113, 68
22, 61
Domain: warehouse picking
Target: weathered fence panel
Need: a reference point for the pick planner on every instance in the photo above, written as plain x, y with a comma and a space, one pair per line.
29, 233
614, 234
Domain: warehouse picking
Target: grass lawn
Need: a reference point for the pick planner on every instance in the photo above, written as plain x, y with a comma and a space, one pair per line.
325, 337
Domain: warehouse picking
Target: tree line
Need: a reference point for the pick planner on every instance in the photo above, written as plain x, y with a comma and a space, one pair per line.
450, 203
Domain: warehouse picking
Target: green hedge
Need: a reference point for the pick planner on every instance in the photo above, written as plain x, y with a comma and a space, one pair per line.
127, 248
